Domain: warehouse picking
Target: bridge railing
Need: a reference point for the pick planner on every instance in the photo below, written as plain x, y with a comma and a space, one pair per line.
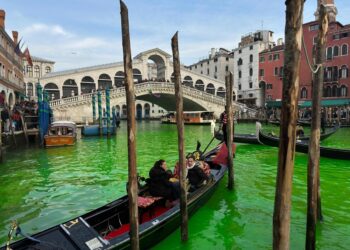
151, 87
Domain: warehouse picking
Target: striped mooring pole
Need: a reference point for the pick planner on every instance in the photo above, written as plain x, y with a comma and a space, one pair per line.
108, 112
93, 108
99, 104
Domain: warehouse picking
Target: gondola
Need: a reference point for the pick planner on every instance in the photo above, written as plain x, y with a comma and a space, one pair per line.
108, 227
252, 138
303, 147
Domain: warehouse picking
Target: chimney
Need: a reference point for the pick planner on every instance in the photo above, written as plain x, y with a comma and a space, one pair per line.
279, 41
2, 19
212, 53
15, 37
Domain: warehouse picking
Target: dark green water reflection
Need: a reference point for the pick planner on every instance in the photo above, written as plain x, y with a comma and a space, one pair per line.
44, 187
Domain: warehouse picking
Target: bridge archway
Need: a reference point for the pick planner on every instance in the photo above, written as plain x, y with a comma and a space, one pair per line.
69, 88
147, 108
138, 111
104, 81
52, 90
87, 85
137, 75
160, 67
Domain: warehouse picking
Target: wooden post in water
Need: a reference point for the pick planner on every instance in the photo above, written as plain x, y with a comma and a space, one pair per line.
180, 136
108, 112
286, 153
314, 143
99, 106
130, 100
0, 140
229, 127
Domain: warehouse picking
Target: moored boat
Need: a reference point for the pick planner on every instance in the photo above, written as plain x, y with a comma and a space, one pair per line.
191, 118
108, 226
94, 130
303, 147
61, 133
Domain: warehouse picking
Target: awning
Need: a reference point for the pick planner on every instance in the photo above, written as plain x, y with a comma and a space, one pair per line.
273, 104
326, 103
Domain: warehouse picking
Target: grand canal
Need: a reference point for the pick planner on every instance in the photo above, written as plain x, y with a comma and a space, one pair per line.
44, 187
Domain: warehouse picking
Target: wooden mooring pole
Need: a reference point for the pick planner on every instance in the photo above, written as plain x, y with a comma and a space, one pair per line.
286, 153
229, 127
1, 141
180, 137
314, 143
130, 100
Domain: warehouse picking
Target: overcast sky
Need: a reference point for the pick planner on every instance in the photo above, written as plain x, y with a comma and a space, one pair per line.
79, 33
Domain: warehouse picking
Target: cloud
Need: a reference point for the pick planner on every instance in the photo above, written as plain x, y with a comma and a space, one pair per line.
41, 28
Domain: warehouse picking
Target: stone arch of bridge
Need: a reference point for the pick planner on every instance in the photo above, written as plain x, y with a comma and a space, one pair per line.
160, 67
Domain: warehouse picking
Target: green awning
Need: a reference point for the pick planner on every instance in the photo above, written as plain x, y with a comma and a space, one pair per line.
326, 103
273, 104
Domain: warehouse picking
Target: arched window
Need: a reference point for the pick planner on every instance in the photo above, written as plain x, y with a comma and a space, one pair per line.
334, 91
30, 89
210, 89
124, 110
199, 85
344, 49
329, 53
343, 91
221, 92
329, 91
104, 81
87, 85
52, 90
47, 69
239, 74
147, 110
251, 58
70, 88
36, 71
119, 79
250, 71
336, 51
239, 62
303, 93
344, 72
188, 81
233, 96
137, 75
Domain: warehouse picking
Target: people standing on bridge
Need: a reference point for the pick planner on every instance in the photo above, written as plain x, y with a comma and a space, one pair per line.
223, 121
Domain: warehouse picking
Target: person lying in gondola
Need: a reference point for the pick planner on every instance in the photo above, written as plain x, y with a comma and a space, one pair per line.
159, 183
195, 174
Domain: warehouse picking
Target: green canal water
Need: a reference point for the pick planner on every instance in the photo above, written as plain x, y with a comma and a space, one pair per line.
43, 187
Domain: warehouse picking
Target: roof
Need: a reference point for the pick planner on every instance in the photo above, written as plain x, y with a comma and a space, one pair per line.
151, 51
274, 49
39, 59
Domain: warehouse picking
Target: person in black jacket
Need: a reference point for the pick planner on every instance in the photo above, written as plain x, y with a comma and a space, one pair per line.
159, 184
195, 175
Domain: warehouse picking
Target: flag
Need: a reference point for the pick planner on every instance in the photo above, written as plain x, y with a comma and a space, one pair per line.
18, 48
26, 54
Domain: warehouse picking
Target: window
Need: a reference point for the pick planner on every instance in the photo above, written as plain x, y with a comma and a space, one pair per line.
226, 68
262, 59
195, 66
281, 72
201, 64
261, 72
329, 53
343, 91
239, 96
250, 85
344, 49
239, 87
240, 51
276, 57
251, 58
207, 62
208, 71
303, 93
344, 72
239, 74
36, 71
47, 69
276, 71
251, 47
314, 40
216, 69
251, 95
29, 71
270, 57
251, 71
336, 51
269, 97
313, 27
239, 62
201, 71
215, 59
227, 59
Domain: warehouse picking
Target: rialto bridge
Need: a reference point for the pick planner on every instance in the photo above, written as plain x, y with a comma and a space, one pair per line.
71, 90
